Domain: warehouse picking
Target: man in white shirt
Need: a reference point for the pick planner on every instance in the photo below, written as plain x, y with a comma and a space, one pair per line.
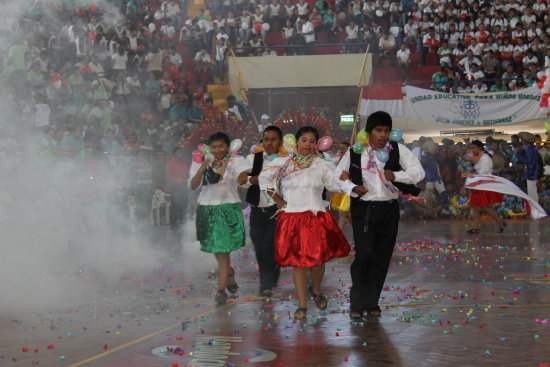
262, 220
308, 32
352, 35
404, 62
386, 49
375, 208
175, 58
411, 32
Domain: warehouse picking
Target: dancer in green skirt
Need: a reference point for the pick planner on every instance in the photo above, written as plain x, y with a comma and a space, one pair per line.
219, 219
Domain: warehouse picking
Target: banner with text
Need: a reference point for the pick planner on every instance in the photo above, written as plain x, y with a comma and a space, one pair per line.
473, 110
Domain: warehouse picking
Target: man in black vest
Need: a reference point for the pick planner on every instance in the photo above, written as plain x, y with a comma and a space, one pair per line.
374, 188
262, 220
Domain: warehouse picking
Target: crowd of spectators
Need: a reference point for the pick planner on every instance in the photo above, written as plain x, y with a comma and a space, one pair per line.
131, 77
447, 164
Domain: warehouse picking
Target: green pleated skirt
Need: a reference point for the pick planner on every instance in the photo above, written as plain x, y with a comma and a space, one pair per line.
220, 228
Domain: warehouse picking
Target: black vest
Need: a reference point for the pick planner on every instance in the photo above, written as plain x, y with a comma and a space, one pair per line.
253, 193
392, 164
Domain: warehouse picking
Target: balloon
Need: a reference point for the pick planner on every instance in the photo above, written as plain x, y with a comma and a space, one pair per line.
266, 27
92, 8
289, 140
92, 36
544, 103
209, 158
396, 135
54, 77
362, 136
359, 147
324, 143
258, 27
206, 150
547, 125
235, 145
382, 155
197, 156
158, 15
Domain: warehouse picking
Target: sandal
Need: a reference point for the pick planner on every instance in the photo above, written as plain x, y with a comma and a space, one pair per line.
355, 315
231, 282
473, 230
221, 298
300, 311
319, 299
374, 313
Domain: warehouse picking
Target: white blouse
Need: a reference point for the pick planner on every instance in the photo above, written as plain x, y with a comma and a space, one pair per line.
302, 190
225, 191
484, 165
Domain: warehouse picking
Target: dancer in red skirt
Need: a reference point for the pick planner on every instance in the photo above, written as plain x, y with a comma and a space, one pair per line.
482, 200
307, 235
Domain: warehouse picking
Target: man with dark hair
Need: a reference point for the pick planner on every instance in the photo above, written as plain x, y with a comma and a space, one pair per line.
377, 174
262, 220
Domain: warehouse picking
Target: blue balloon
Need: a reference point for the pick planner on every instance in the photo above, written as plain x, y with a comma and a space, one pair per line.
396, 135
382, 155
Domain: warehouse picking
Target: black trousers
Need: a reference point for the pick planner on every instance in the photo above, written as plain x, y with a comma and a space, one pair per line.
262, 232
374, 242
178, 204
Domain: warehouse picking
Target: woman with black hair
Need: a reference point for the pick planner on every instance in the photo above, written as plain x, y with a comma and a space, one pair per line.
307, 235
482, 200
219, 218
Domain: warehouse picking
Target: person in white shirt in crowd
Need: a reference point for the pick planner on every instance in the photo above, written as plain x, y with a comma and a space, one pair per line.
465, 64
268, 51
207, 32
220, 56
477, 48
245, 25
386, 49
453, 37
479, 87
175, 58
168, 29
411, 33
352, 35
474, 72
289, 8
530, 59
203, 62
307, 31
430, 40
303, 8
445, 54
404, 62
120, 59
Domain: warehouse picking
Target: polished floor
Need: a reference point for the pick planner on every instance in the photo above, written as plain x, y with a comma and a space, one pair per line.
451, 299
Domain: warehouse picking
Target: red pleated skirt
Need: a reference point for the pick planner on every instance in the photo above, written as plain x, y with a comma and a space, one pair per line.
483, 198
305, 240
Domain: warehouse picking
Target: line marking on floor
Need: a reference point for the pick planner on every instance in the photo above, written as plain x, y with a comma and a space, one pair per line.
148, 336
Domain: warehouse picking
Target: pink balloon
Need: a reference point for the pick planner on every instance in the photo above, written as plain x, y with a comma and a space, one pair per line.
324, 143
199, 148
197, 156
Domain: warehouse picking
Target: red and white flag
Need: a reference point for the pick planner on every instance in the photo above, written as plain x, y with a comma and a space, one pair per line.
388, 98
502, 185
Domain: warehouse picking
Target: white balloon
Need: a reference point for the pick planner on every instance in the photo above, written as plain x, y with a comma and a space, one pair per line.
158, 15
244, 25
235, 145
266, 27
379, 13
152, 27
209, 157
